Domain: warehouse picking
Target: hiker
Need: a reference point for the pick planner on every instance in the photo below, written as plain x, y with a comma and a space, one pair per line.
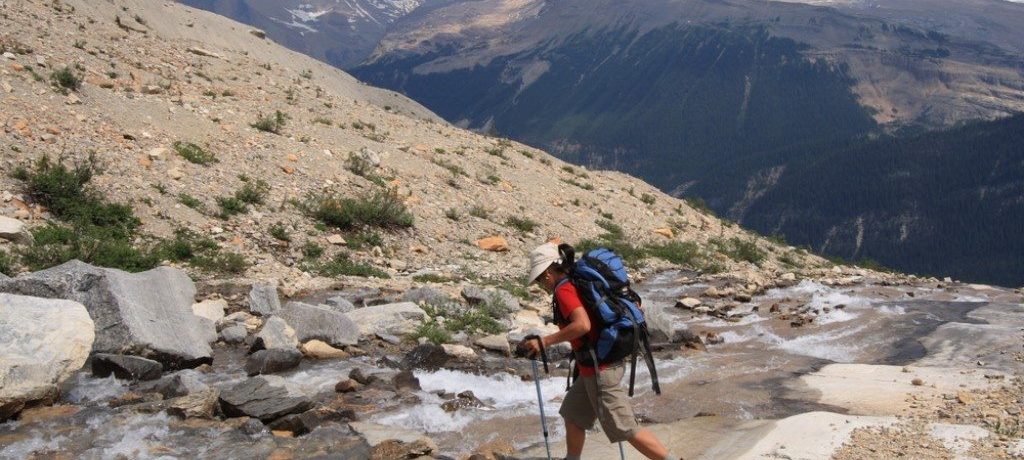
607, 397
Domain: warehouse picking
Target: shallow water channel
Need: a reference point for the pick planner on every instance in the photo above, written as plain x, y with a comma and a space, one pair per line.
743, 378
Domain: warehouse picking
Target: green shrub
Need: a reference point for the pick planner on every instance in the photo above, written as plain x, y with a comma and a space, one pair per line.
194, 153
190, 201
364, 240
7, 263
647, 198
312, 251
453, 214
677, 252
523, 224
66, 79
431, 278
253, 192
271, 123
359, 165
280, 231
613, 230
741, 250
383, 209
230, 206
433, 332
479, 211
582, 185
342, 265
63, 191
54, 244
200, 252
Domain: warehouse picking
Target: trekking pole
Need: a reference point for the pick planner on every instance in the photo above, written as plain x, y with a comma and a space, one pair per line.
622, 452
540, 403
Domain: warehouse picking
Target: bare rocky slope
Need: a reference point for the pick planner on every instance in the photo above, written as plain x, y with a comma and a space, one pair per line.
156, 74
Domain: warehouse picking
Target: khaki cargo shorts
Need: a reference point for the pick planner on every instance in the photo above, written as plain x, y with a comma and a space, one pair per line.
609, 397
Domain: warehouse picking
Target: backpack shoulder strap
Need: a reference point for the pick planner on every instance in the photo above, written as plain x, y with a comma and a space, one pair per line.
555, 310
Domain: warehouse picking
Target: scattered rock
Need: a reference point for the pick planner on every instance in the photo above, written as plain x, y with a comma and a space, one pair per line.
493, 243
395, 319
267, 397
505, 302
426, 356
665, 231
362, 296
917, 382
964, 397
340, 304
272, 361
258, 33
198, 404
263, 299
405, 380
300, 424
393, 443
312, 322
202, 52
497, 342
14, 230
176, 385
275, 334
212, 310
336, 239
319, 350
462, 401
425, 295
788, 277
126, 367
361, 377
688, 303
234, 334
143, 314
461, 352
347, 386
43, 342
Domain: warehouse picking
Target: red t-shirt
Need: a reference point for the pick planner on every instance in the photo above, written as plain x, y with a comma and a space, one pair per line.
567, 300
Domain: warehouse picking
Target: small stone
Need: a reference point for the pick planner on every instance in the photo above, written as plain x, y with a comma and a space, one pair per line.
493, 244
175, 173
258, 33
317, 349
336, 239
688, 303
459, 351
964, 397
665, 231
202, 52
346, 386
917, 382
158, 153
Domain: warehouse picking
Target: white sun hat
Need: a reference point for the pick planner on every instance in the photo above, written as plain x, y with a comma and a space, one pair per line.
540, 259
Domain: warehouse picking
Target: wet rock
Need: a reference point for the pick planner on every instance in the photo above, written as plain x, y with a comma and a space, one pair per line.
362, 377
267, 397
176, 385
319, 350
125, 367
425, 295
713, 338
199, 404
252, 427
43, 342
234, 334
393, 443
275, 334
742, 297
426, 356
347, 386
311, 322
300, 424
496, 342
505, 302
340, 304
144, 314
462, 400
688, 303
129, 398
263, 299
272, 361
394, 319
405, 380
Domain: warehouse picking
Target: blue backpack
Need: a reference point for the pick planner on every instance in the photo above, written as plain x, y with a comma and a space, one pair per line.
614, 310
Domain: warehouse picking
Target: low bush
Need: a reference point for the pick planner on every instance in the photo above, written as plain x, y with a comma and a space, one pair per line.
66, 79
194, 153
271, 123
523, 224
382, 209
684, 253
343, 265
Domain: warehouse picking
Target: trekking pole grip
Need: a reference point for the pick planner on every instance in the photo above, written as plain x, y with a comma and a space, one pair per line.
543, 354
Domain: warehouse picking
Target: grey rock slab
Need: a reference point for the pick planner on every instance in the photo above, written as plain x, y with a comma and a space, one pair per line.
267, 397
339, 303
496, 342
198, 404
263, 299
176, 385
43, 342
392, 319
145, 314
426, 295
272, 361
362, 296
312, 322
125, 367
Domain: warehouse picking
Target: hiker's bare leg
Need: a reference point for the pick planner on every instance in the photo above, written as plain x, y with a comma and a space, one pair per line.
648, 444
574, 439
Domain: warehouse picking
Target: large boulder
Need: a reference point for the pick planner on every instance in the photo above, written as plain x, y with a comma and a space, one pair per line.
263, 299
125, 367
145, 314
312, 322
14, 230
212, 309
42, 343
390, 319
267, 397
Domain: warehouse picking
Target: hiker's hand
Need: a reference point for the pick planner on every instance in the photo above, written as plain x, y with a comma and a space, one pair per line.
530, 347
